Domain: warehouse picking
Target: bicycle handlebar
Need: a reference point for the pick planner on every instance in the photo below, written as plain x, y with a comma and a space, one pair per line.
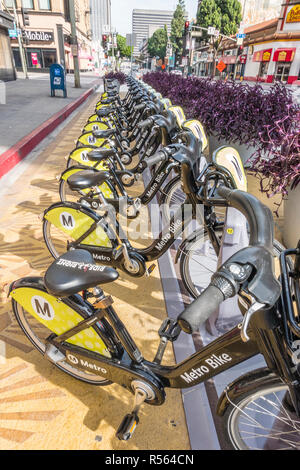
200, 309
144, 124
255, 259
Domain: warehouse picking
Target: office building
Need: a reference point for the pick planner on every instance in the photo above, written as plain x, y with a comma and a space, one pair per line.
146, 22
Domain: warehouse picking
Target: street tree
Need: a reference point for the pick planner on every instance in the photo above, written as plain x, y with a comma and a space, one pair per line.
157, 44
224, 15
177, 25
122, 51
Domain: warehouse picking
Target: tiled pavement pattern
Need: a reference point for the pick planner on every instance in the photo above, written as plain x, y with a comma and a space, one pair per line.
40, 407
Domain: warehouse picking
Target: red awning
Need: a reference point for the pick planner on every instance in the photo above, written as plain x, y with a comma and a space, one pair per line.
284, 55
262, 56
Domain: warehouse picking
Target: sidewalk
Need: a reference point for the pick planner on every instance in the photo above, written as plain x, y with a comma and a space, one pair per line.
29, 104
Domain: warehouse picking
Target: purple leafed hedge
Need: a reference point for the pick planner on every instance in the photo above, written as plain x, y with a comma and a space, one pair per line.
266, 119
121, 77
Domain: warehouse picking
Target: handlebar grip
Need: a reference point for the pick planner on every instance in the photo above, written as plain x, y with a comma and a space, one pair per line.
144, 124
140, 106
200, 309
156, 158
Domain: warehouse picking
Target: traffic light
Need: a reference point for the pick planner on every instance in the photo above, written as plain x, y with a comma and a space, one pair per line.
186, 27
25, 17
104, 41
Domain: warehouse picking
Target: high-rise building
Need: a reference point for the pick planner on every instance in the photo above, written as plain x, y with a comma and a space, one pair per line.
146, 22
100, 16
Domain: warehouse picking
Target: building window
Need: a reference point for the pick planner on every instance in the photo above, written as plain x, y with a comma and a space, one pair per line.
9, 3
44, 5
28, 4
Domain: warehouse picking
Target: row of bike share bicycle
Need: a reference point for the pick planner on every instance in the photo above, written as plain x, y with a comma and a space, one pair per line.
69, 319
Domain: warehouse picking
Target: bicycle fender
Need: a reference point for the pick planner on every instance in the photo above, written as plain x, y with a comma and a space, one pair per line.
249, 382
79, 155
59, 315
95, 126
74, 221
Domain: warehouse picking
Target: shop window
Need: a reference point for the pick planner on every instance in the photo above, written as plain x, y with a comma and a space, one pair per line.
263, 68
282, 71
34, 58
17, 58
49, 58
44, 5
28, 4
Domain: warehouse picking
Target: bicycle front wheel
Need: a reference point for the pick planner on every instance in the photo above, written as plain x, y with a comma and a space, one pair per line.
260, 421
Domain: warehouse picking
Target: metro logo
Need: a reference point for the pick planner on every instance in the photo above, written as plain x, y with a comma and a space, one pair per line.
42, 308
67, 220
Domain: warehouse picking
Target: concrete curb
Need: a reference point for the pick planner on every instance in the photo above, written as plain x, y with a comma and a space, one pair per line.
23, 147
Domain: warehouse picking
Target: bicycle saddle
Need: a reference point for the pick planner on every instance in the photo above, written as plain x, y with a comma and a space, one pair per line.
87, 179
74, 271
104, 134
101, 154
103, 112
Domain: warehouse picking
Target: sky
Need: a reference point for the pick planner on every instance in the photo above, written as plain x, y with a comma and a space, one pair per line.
121, 11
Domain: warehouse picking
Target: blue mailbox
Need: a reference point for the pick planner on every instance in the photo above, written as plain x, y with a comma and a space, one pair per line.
58, 79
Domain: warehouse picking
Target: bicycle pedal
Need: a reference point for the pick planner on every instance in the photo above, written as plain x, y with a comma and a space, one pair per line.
169, 329
150, 269
127, 427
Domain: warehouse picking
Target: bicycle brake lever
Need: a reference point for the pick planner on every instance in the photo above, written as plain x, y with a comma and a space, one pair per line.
245, 323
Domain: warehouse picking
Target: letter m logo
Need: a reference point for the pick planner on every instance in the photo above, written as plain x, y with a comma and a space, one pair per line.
67, 220
42, 307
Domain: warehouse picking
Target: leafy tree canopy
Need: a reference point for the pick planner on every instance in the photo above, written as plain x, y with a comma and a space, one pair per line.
177, 26
157, 44
125, 51
224, 15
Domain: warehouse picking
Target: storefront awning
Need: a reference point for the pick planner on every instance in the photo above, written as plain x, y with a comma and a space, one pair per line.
262, 56
284, 55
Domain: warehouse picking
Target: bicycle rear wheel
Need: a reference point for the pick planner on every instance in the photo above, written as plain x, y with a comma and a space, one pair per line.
37, 333
260, 421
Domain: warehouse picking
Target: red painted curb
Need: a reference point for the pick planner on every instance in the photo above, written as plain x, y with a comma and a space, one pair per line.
17, 152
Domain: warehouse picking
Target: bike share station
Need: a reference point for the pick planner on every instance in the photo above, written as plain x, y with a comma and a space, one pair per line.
212, 341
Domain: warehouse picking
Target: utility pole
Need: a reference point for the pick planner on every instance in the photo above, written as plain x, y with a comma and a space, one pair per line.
74, 44
21, 48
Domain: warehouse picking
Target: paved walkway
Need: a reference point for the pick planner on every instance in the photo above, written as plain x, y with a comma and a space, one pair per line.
29, 104
40, 407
